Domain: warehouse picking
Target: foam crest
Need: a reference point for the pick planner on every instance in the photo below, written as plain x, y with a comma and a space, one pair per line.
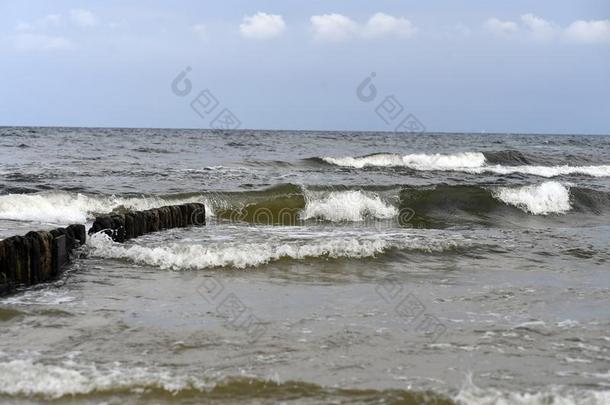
243, 255
64, 207
468, 162
378, 160
30, 378
546, 171
347, 206
413, 161
550, 197
473, 395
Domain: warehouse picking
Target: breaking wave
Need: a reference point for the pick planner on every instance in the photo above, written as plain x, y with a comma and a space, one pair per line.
65, 207
543, 171
547, 198
290, 204
415, 161
38, 380
29, 378
108, 384
445, 205
283, 204
473, 395
352, 205
242, 255
469, 162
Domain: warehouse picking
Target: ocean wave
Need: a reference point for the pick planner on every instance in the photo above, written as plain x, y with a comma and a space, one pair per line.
351, 205
543, 171
34, 379
282, 204
473, 395
468, 162
414, 161
30, 378
550, 197
65, 207
243, 255
509, 157
290, 204
448, 205
546, 198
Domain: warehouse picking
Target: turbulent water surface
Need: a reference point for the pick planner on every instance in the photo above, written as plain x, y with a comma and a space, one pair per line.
334, 268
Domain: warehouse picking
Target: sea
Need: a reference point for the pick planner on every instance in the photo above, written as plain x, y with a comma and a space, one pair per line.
333, 268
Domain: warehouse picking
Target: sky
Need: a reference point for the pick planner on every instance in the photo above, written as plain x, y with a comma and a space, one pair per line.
530, 66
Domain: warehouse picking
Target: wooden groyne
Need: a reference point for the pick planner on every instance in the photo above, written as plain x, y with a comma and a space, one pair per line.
37, 257
40, 256
121, 227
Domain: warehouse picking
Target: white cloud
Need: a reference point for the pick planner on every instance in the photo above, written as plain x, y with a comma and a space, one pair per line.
83, 18
499, 27
337, 27
262, 26
333, 27
381, 24
200, 31
589, 31
539, 28
40, 42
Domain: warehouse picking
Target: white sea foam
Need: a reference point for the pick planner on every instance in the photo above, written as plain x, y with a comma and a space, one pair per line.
346, 206
414, 161
469, 162
30, 378
37, 379
544, 171
40, 297
473, 395
550, 197
64, 207
242, 255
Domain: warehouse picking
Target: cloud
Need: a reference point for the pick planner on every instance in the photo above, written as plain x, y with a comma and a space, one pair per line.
539, 28
338, 28
333, 27
83, 18
262, 26
200, 31
381, 24
499, 27
589, 31
40, 42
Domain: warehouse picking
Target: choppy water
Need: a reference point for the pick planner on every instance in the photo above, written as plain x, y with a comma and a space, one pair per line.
335, 268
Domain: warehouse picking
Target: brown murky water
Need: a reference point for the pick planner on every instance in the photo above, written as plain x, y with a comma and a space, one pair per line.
491, 291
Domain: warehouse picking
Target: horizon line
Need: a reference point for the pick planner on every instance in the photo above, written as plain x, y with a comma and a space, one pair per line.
480, 132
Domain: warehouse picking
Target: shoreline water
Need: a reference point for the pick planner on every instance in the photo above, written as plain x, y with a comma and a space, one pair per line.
418, 271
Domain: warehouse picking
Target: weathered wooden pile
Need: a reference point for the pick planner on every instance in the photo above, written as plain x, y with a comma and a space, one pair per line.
121, 227
39, 257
